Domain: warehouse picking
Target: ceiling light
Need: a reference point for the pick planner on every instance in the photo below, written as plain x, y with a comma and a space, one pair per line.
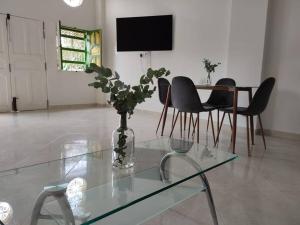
73, 3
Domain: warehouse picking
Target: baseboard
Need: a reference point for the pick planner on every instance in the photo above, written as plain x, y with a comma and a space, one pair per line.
280, 134
76, 106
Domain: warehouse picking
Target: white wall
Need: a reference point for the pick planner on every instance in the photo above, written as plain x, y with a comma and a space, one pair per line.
246, 43
231, 32
246, 46
200, 30
282, 60
64, 88
101, 98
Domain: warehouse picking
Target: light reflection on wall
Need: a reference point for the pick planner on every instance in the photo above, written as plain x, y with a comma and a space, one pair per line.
6, 213
76, 147
75, 168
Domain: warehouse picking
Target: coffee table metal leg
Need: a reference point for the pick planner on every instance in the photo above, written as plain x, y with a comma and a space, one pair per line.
210, 199
203, 178
59, 195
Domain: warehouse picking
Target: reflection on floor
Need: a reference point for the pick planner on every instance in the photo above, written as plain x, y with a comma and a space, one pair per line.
262, 190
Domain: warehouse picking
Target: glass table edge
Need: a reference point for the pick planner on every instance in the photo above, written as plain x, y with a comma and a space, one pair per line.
234, 156
74, 156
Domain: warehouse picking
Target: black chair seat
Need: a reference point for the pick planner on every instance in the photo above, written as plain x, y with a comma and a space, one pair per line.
240, 110
163, 87
221, 99
185, 98
256, 107
215, 106
197, 110
208, 108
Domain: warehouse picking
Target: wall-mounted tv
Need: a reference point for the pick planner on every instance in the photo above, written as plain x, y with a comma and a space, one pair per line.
149, 33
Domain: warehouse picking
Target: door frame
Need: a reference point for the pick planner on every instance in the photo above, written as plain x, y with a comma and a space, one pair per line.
8, 16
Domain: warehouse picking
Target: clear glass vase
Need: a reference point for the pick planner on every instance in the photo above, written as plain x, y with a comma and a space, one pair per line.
123, 145
208, 79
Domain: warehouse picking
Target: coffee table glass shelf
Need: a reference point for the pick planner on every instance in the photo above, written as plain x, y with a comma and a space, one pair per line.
86, 189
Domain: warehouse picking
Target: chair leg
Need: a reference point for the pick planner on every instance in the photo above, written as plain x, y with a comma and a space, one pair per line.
173, 125
198, 130
230, 122
207, 123
184, 121
218, 121
219, 129
194, 125
180, 124
248, 138
173, 117
190, 120
262, 131
252, 129
161, 115
164, 120
212, 127
193, 122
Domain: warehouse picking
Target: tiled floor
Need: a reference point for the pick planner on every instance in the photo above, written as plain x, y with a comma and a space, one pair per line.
261, 190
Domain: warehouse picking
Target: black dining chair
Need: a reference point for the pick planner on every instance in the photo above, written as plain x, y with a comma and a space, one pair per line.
221, 99
163, 87
185, 98
256, 107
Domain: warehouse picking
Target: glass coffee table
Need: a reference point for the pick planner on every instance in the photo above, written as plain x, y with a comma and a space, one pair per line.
86, 189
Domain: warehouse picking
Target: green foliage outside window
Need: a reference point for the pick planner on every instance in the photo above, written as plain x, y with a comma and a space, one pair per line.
78, 48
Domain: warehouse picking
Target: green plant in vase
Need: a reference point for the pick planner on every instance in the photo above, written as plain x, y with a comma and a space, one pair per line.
210, 68
124, 98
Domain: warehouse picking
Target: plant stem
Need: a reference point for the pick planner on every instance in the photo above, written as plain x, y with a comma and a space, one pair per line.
123, 121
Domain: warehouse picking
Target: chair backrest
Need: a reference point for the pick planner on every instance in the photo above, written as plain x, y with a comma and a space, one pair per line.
163, 85
261, 97
222, 98
185, 96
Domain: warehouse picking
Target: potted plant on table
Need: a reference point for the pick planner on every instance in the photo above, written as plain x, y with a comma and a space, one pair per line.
210, 68
124, 98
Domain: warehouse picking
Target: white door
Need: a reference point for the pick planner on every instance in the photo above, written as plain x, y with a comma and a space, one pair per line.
27, 58
5, 85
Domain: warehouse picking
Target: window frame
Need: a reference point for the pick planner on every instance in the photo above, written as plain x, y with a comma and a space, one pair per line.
86, 51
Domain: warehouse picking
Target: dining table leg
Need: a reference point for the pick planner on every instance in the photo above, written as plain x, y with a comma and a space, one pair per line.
251, 117
166, 109
235, 103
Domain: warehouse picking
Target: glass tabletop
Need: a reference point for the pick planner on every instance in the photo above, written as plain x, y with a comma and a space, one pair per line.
165, 174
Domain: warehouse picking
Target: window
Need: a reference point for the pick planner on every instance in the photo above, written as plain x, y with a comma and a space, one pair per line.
78, 48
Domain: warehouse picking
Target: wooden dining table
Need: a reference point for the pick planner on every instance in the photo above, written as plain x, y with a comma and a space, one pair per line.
235, 91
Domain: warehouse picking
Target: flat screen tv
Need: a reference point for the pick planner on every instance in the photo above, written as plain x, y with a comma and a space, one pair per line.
150, 33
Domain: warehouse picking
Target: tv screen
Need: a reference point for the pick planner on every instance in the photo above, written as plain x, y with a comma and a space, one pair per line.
150, 33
